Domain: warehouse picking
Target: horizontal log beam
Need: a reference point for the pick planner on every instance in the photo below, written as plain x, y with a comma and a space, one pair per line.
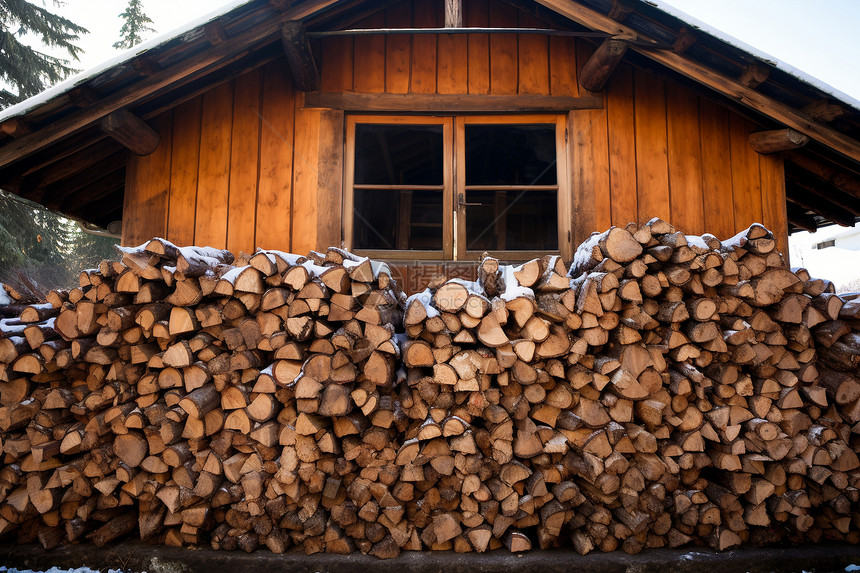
453, 103
300, 58
825, 110
720, 83
599, 67
776, 140
132, 132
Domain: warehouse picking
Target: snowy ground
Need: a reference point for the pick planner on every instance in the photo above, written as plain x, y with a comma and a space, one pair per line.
837, 264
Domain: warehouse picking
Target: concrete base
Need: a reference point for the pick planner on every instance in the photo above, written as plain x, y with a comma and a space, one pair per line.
137, 557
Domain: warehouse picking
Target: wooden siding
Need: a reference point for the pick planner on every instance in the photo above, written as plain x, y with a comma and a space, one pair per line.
245, 165
672, 154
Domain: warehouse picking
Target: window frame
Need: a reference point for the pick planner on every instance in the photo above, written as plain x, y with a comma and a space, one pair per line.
454, 183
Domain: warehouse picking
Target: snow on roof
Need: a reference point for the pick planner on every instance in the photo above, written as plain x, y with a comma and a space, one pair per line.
755, 52
123, 57
59, 89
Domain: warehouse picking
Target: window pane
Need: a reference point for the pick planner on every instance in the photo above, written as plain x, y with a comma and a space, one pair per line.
511, 220
397, 219
505, 154
398, 154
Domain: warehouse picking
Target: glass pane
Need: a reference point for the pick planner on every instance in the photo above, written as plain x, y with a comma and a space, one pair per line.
522, 220
397, 219
398, 154
510, 154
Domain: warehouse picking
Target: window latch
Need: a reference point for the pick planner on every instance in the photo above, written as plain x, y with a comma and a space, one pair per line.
461, 202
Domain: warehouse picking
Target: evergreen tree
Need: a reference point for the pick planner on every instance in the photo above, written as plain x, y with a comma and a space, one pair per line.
135, 24
24, 68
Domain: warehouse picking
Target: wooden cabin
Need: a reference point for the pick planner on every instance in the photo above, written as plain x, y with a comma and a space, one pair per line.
425, 132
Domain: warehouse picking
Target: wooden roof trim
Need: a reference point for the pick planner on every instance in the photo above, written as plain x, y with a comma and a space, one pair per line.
720, 83
308, 9
174, 76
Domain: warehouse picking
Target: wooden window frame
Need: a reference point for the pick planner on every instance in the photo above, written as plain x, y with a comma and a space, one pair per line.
454, 184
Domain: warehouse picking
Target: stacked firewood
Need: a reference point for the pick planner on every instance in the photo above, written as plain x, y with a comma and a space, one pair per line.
664, 389
178, 392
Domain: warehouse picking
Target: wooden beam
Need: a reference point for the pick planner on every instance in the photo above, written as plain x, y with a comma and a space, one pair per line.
132, 132
825, 110
33, 186
308, 9
827, 210
823, 190
16, 127
452, 103
776, 140
215, 32
720, 83
841, 179
300, 58
798, 217
599, 67
176, 76
453, 13
145, 66
75, 192
620, 10
685, 39
83, 96
754, 75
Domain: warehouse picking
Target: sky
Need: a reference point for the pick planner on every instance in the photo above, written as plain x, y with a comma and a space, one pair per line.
819, 37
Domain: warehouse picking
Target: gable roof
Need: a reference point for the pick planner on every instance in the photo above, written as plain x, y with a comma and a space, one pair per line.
52, 149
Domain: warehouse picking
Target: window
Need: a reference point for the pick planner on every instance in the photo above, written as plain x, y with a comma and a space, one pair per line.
454, 187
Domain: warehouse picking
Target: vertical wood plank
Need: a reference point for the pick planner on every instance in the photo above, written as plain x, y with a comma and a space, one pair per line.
590, 172
369, 75
244, 154
717, 193
330, 179
622, 148
479, 47
398, 49
426, 14
685, 160
774, 215
532, 58
452, 73
147, 187
213, 179
503, 49
746, 181
305, 179
564, 199
652, 174
183, 172
274, 193
336, 64
591, 208
562, 66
